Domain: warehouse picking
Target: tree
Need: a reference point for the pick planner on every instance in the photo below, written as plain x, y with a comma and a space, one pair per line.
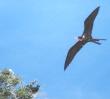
11, 86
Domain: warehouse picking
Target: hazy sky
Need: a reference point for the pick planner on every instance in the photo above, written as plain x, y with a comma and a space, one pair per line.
35, 36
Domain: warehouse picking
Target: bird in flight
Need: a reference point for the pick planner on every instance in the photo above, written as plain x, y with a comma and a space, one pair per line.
84, 38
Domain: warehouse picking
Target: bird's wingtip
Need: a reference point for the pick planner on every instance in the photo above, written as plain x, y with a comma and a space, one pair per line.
64, 69
65, 66
98, 7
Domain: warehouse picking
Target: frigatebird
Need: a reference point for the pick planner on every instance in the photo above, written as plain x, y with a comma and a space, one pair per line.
84, 38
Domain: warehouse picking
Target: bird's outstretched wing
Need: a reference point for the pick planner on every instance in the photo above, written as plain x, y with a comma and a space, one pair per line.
72, 52
88, 23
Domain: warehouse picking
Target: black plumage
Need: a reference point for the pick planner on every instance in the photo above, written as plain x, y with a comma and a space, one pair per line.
84, 38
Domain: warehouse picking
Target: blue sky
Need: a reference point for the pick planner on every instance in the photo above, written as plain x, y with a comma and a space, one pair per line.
35, 36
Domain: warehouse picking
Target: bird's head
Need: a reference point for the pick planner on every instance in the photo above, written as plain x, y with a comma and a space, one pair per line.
81, 38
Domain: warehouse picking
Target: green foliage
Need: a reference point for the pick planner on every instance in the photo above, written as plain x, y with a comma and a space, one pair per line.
11, 87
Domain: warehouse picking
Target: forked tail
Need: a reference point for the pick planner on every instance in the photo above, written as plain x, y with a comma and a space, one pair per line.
96, 41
